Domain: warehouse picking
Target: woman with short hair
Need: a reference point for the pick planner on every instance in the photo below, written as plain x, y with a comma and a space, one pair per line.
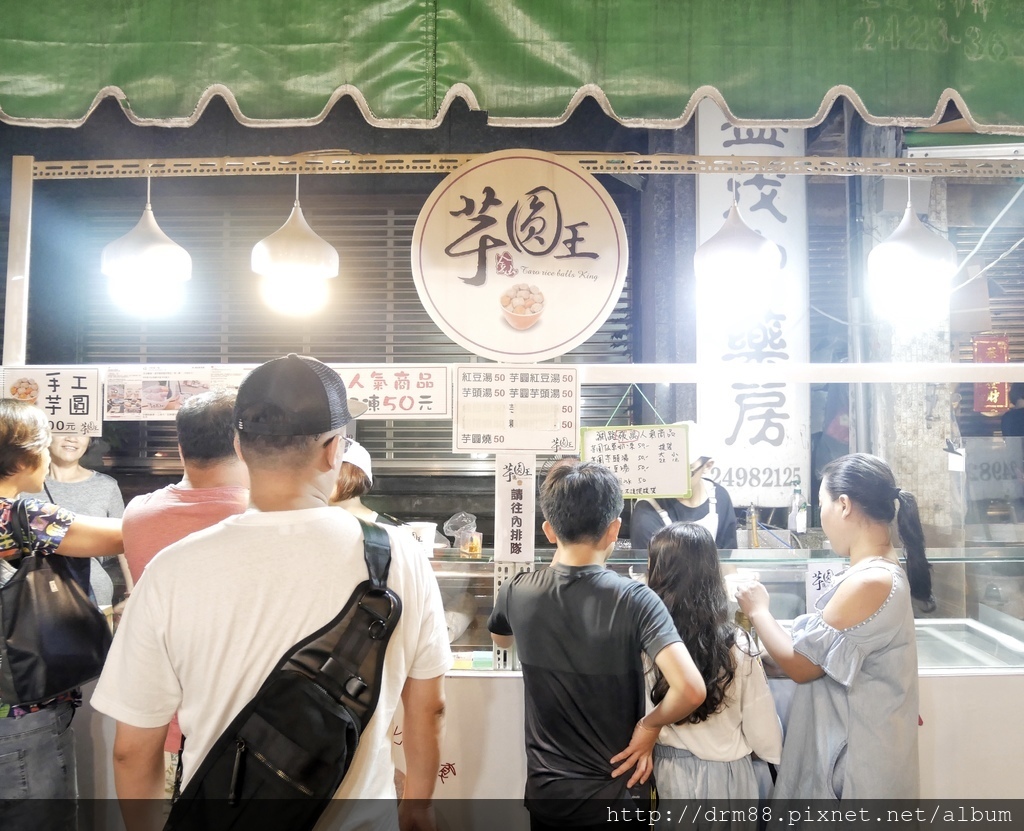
36, 741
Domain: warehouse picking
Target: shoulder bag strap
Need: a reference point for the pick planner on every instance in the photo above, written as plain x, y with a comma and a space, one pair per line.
356, 662
665, 518
376, 553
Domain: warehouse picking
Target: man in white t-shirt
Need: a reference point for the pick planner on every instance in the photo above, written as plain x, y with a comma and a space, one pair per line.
214, 612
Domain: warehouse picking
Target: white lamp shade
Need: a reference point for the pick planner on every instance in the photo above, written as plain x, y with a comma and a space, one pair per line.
737, 271
146, 254
909, 274
146, 270
297, 297
294, 251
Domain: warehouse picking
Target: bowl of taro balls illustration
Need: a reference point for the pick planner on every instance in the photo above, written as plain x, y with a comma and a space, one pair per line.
522, 305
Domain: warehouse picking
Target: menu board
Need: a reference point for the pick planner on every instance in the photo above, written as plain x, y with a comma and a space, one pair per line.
69, 396
649, 460
505, 408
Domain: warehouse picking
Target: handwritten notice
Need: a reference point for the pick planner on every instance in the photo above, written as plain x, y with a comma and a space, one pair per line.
649, 460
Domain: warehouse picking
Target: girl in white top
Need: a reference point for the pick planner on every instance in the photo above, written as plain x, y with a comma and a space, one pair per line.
708, 755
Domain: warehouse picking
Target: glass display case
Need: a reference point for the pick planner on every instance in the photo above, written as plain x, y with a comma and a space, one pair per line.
970, 655
977, 624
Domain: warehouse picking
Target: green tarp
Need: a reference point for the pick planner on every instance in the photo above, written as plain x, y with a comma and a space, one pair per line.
648, 62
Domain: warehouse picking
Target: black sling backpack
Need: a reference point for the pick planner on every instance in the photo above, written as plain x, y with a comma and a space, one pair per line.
283, 757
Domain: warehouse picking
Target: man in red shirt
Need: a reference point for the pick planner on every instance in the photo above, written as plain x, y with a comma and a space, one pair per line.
214, 487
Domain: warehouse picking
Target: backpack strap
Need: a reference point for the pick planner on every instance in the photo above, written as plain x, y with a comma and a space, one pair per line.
376, 554
665, 518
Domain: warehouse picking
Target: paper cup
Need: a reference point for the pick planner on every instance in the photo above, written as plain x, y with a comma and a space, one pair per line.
738, 578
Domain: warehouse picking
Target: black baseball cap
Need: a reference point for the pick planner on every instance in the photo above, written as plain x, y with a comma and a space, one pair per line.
293, 396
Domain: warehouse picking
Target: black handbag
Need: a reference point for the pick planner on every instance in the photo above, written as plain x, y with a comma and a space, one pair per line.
52, 638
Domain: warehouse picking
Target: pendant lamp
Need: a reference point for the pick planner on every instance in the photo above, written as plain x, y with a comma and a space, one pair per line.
295, 250
909, 274
295, 264
146, 269
735, 271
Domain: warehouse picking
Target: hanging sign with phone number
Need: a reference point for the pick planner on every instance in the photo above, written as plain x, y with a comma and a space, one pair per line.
756, 477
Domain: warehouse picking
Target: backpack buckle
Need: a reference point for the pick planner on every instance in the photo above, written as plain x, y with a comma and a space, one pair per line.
381, 622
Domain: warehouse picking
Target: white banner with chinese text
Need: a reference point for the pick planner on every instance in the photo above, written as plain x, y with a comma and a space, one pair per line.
515, 507
68, 395
757, 433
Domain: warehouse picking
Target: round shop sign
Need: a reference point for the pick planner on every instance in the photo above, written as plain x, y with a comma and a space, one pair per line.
519, 256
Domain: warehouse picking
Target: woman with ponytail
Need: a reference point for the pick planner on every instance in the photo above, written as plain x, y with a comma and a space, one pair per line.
854, 718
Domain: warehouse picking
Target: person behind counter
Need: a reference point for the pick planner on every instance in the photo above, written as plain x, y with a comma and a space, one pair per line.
581, 630
1012, 422
86, 493
708, 754
36, 741
708, 505
852, 730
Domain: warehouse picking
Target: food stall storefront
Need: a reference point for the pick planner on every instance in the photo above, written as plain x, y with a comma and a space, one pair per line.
743, 356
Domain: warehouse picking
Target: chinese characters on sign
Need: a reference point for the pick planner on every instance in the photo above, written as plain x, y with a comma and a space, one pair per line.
514, 507
399, 390
758, 433
992, 398
649, 460
820, 578
519, 256
502, 408
155, 392
69, 396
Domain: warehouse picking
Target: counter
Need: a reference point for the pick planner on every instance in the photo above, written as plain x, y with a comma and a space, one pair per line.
970, 659
970, 652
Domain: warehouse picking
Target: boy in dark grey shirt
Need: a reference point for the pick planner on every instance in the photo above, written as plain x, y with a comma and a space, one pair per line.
581, 631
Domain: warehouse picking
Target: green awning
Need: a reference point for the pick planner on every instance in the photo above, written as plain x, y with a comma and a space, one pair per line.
648, 62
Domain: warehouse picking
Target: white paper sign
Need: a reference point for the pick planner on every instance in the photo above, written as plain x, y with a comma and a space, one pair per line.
152, 392
69, 396
649, 460
399, 391
820, 578
500, 408
515, 507
758, 434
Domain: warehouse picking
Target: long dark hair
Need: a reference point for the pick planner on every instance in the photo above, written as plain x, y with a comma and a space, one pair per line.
869, 483
683, 571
